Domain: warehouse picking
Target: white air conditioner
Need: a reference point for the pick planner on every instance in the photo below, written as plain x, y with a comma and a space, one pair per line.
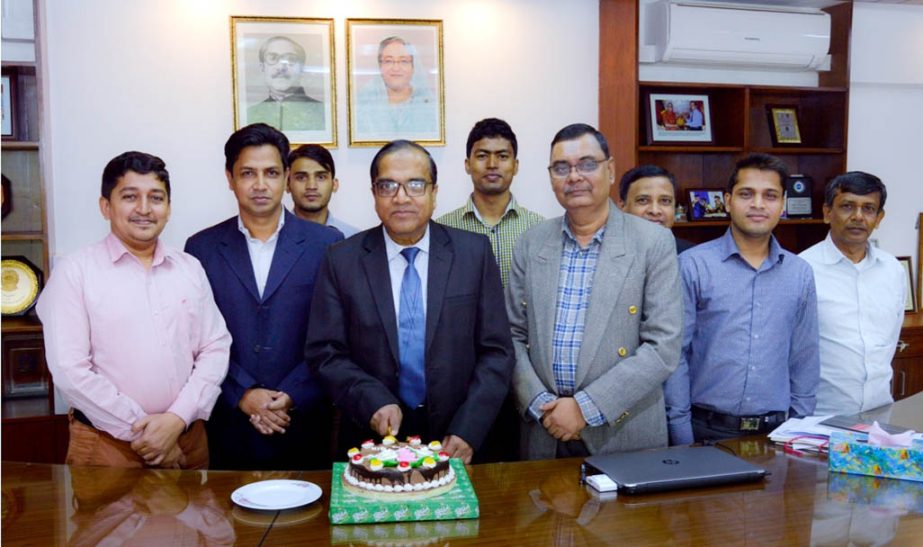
739, 35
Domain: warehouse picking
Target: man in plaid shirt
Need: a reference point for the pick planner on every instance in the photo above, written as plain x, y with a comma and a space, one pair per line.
595, 308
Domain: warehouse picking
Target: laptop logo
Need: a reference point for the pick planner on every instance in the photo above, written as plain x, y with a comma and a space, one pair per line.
670, 461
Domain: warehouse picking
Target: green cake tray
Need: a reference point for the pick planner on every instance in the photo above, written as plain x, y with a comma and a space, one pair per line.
458, 503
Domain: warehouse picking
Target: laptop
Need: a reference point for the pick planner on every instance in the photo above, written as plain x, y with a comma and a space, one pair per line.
664, 469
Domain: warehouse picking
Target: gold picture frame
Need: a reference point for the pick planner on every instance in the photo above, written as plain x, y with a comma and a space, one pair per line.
395, 81
783, 123
283, 73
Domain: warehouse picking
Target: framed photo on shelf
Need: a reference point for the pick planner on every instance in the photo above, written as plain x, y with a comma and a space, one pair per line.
24, 371
910, 304
783, 124
283, 74
707, 204
8, 105
396, 81
677, 118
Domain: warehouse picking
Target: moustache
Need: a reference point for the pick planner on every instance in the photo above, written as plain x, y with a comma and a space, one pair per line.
579, 187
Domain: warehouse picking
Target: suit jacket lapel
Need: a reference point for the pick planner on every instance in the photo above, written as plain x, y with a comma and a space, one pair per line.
547, 264
233, 247
378, 277
611, 271
289, 248
440, 263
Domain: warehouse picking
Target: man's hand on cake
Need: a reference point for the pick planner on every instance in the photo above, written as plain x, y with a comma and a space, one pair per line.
563, 419
158, 435
456, 447
387, 420
256, 403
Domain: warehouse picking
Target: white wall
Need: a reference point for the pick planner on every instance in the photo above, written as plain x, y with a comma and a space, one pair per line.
885, 109
155, 75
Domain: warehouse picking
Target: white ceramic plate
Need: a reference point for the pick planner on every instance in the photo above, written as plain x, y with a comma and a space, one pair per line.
276, 494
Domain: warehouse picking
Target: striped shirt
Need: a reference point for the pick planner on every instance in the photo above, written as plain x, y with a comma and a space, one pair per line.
575, 284
503, 235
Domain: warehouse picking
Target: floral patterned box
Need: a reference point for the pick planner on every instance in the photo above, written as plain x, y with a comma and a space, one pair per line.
458, 503
850, 453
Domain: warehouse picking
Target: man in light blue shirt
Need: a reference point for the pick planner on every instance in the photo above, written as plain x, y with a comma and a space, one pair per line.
750, 344
860, 298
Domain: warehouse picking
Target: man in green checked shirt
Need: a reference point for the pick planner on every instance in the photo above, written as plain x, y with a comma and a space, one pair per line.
492, 211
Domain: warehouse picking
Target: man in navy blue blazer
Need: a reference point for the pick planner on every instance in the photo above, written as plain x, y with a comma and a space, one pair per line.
262, 265
408, 330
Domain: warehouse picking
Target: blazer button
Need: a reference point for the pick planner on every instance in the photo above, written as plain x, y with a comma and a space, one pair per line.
632, 309
623, 352
524, 305
256, 348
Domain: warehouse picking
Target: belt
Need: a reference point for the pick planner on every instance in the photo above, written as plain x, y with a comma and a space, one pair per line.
82, 418
750, 424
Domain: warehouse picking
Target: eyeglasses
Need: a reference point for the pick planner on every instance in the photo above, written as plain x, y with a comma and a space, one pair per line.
273, 58
388, 188
405, 62
585, 166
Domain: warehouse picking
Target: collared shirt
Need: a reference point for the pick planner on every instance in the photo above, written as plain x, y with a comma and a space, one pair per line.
860, 310
261, 252
749, 338
347, 229
397, 264
575, 285
503, 235
123, 341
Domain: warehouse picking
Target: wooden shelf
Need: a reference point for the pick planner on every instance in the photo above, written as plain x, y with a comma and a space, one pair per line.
22, 324
20, 145
677, 149
23, 236
798, 151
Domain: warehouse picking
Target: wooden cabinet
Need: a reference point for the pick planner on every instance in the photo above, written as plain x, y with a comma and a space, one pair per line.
908, 359
739, 121
30, 429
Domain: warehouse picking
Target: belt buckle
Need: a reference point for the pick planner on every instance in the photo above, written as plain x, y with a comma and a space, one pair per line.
750, 424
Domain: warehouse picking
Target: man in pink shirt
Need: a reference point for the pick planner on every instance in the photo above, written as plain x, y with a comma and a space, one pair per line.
133, 337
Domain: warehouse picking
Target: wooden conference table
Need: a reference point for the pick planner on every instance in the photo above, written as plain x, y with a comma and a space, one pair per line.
523, 503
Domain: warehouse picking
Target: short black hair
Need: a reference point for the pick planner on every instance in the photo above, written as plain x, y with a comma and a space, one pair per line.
855, 182
762, 162
491, 128
256, 134
397, 146
577, 130
640, 172
137, 162
314, 152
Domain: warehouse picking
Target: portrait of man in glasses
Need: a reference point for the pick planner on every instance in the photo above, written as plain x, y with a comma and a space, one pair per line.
408, 333
287, 107
398, 102
595, 308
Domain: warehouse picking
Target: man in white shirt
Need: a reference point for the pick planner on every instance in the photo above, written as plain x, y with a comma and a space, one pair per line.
860, 298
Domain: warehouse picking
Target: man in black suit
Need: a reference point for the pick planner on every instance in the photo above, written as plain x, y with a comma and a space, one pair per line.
411, 341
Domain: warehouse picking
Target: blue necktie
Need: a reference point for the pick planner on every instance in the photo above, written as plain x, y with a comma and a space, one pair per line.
411, 332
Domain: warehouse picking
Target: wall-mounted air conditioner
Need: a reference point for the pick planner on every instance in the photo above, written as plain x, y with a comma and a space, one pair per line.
739, 35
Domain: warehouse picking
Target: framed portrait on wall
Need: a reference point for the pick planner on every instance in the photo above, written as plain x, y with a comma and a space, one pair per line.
678, 117
395, 81
783, 123
283, 74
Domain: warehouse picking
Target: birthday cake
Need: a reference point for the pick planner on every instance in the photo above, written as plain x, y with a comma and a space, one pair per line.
398, 469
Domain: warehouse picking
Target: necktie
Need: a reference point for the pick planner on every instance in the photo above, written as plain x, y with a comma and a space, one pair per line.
411, 335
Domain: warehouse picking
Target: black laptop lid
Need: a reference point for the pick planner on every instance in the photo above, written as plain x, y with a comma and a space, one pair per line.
674, 468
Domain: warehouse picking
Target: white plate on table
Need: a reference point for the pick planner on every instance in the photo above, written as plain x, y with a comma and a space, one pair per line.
276, 495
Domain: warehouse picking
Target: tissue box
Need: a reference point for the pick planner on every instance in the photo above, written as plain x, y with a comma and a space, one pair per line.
850, 453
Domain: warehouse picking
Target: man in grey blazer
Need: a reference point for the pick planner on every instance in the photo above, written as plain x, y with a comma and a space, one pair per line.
595, 308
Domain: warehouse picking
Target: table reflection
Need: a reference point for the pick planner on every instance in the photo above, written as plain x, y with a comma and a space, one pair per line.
153, 507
